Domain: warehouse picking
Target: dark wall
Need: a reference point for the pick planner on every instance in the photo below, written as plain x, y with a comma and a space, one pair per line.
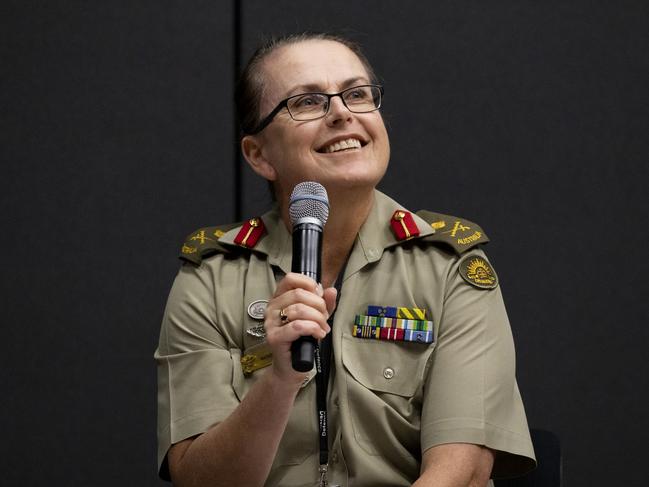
117, 139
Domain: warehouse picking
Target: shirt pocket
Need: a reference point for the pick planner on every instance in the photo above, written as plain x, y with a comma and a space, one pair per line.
293, 449
384, 382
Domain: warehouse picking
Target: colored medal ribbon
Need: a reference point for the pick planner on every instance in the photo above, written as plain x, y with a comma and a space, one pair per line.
395, 324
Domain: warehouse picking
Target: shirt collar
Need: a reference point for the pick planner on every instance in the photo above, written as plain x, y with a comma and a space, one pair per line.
374, 236
276, 243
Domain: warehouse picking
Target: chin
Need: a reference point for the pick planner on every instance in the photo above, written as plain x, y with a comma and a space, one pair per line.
350, 180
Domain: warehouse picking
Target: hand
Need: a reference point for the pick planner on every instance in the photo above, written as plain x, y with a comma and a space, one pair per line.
306, 307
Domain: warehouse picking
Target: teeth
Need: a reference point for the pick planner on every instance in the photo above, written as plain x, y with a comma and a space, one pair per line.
342, 145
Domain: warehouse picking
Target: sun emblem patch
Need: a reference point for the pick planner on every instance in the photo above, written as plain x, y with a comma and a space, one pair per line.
478, 272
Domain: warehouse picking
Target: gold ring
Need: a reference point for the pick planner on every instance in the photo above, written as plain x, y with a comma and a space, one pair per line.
282, 315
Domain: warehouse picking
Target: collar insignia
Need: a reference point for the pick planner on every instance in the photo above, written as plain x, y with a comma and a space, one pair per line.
250, 233
403, 225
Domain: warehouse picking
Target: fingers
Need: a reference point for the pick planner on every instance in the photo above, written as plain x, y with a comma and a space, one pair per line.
295, 296
308, 317
293, 280
301, 312
298, 309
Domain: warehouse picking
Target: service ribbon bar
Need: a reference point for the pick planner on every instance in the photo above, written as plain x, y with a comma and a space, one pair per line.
411, 313
397, 312
387, 311
395, 329
367, 332
394, 334
418, 336
398, 323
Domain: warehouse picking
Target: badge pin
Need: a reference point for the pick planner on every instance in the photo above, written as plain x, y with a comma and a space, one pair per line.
257, 331
256, 309
256, 357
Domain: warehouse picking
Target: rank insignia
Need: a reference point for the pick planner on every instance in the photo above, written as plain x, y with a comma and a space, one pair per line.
478, 272
403, 225
438, 224
250, 233
188, 249
458, 233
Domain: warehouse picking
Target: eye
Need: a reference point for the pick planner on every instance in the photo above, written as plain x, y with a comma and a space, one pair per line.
307, 101
360, 93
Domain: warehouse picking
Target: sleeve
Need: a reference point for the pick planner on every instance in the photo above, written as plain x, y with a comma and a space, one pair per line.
470, 393
194, 363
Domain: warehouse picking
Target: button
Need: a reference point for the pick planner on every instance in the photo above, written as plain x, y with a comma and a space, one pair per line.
388, 373
334, 457
336, 402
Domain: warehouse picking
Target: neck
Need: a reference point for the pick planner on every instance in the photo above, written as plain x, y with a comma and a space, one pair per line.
347, 213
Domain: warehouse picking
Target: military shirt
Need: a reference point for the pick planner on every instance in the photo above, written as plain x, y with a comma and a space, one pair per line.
388, 401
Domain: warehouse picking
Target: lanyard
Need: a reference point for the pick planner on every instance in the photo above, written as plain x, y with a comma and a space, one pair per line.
323, 367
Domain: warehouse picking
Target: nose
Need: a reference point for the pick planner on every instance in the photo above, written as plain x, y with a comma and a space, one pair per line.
338, 113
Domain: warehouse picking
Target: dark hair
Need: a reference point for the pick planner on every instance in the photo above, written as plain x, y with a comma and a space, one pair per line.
250, 86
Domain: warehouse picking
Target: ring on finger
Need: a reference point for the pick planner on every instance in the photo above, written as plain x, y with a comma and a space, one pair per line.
283, 316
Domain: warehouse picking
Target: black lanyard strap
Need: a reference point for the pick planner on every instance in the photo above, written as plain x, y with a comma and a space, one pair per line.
323, 369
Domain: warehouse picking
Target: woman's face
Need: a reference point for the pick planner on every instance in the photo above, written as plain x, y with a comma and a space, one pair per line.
288, 151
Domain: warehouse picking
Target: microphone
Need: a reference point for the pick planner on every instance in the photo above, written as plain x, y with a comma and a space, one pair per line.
308, 210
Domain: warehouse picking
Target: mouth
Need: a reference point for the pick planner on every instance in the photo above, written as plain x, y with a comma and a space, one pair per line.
342, 145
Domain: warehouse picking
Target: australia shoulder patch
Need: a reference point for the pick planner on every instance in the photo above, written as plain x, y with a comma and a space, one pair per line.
478, 272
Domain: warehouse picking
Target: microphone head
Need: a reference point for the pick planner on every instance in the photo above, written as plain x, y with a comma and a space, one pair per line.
308, 200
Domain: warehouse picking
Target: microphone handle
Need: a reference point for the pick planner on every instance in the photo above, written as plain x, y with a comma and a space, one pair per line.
307, 260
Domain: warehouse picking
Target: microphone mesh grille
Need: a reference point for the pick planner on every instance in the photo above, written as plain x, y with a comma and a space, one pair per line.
309, 199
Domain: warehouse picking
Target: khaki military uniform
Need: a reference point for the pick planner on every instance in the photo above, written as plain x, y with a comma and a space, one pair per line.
388, 400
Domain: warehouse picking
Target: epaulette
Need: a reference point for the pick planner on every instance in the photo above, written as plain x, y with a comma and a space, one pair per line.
456, 233
205, 242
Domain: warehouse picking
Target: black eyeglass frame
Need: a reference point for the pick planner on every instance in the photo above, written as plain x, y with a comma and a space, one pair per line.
284, 104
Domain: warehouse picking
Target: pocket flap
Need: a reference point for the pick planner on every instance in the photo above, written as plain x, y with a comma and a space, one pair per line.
386, 366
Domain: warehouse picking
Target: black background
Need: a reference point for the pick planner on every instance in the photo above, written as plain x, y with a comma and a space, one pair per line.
117, 140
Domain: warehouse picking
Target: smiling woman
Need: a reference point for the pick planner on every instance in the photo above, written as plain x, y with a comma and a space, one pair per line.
286, 151
416, 377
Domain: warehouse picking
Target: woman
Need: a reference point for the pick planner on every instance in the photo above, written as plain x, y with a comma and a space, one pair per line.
433, 401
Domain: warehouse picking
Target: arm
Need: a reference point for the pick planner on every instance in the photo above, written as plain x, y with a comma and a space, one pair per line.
456, 465
240, 450
471, 397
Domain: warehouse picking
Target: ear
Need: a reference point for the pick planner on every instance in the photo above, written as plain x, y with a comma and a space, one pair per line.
251, 147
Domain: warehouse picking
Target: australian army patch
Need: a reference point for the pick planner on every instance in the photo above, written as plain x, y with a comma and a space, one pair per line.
478, 272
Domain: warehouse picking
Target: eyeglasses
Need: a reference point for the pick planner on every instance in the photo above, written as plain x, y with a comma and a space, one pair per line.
312, 106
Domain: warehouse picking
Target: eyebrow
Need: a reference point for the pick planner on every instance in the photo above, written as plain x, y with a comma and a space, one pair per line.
316, 88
